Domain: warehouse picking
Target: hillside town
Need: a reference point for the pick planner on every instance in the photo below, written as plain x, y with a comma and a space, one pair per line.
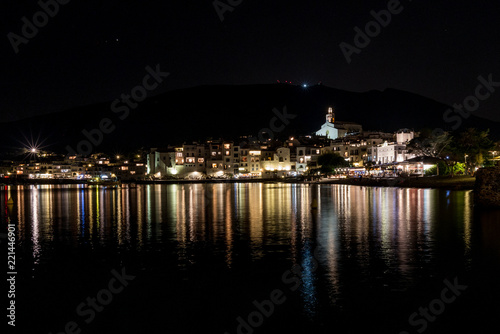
366, 153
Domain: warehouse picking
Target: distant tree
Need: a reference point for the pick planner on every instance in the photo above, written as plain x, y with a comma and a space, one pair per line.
429, 144
446, 169
330, 161
492, 154
471, 146
495, 151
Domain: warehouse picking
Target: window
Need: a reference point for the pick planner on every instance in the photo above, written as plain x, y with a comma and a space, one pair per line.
214, 165
201, 160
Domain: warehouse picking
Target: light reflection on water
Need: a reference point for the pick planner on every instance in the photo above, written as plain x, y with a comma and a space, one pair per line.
396, 231
262, 213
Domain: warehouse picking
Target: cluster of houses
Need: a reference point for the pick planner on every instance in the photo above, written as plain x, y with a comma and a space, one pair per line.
366, 152
96, 166
250, 157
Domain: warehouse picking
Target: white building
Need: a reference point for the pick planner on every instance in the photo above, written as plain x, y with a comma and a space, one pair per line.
333, 129
328, 128
393, 152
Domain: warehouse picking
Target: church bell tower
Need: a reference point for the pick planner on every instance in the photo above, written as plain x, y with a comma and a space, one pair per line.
330, 116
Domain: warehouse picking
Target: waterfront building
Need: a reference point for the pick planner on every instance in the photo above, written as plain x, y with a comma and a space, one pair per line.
280, 164
160, 162
393, 152
215, 162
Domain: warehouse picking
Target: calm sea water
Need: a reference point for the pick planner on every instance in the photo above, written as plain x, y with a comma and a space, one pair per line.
252, 258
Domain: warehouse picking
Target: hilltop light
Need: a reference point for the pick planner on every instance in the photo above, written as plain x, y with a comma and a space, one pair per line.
304, 85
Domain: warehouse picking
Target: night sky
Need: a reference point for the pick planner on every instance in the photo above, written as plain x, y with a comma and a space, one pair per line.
92, 51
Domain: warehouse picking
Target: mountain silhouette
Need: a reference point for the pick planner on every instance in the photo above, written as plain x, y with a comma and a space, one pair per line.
224, 111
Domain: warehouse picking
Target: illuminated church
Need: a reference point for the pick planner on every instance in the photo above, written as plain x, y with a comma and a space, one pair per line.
332, 129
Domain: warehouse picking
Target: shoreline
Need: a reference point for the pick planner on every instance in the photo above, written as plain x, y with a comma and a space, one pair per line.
450, 183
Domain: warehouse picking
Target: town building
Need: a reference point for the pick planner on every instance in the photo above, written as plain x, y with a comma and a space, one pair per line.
333, 129
393, 152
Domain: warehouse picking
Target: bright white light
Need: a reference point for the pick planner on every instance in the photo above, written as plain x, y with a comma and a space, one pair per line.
304, 85
33, 150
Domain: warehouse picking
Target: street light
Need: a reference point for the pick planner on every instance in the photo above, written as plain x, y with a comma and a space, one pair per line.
466, 168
